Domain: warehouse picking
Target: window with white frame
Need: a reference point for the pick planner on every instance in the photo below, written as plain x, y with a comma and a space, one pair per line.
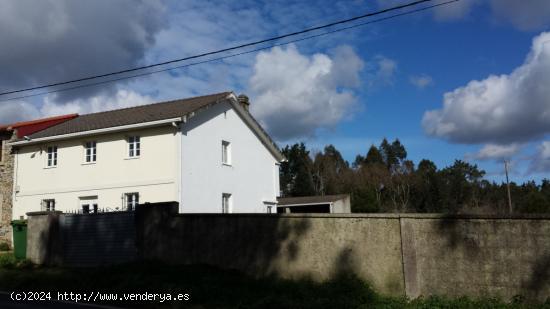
89, 204
226, 152
90, 151
226, 203
48, 205
132, 200
134, 146
52, 156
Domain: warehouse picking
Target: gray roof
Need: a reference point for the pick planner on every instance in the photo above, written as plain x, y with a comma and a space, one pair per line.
324, 199
132, 115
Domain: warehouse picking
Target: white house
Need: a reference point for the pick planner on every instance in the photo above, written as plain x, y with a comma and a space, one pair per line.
207, 153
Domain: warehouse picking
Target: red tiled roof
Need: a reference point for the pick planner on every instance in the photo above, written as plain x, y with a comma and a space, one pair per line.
25, 128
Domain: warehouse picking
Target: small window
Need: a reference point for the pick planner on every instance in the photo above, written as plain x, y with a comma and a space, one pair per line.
132, 200
48, 205
226, 152
90, 152
226, 203
89, 208
89, 204
52, 156
134, 146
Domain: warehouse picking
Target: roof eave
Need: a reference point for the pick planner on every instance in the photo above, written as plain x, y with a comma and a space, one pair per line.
256, 128
96, 132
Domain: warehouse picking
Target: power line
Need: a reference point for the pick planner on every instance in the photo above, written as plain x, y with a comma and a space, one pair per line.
221, 50
213, 59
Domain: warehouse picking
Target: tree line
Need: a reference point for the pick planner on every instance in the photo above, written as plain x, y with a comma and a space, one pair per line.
384, 180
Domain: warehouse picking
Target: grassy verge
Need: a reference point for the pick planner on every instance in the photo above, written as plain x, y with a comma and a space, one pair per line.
214, 288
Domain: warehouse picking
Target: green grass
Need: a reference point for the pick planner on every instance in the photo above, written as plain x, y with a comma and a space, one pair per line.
214, 288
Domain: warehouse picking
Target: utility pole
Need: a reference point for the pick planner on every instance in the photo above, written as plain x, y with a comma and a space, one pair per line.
508, 186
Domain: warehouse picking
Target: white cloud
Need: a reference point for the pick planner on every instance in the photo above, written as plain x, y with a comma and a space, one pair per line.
421, 81
525, 14
541, 161
17, 111
497, 152
98, 103
386, 70
59, 40
522, 14
295, 94
454, 11
381, 71
52, 41
500, 109
450, 12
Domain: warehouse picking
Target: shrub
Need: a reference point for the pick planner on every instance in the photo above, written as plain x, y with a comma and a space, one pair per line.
7, 261
4, 246
24, 264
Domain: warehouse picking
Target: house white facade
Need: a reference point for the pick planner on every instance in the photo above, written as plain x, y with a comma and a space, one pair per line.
213, 158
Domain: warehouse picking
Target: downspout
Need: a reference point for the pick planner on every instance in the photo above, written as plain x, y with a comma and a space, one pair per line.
15, 180
179, 162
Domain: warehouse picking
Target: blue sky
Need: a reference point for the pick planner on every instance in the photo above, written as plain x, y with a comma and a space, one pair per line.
412, 77
451, 53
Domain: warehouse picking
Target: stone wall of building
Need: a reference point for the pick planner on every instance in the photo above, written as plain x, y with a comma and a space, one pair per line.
6, 187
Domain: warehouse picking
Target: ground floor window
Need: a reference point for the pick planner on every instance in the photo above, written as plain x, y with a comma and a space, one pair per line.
132, 200
271, 207
48, 205
226, 203
89, 204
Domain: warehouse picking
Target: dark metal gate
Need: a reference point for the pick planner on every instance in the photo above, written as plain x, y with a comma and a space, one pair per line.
98, 239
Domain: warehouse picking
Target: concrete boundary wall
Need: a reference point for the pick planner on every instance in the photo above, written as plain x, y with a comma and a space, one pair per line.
408, 254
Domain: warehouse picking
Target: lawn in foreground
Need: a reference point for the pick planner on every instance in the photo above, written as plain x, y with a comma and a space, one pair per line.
210, 287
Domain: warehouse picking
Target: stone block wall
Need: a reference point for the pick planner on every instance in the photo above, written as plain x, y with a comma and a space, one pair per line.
6, 188
409, 255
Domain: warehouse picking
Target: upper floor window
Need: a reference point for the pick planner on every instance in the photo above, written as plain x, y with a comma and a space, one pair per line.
52, 156
226, 203
132, 200
226, 152
48, 205
134, 147
91, 152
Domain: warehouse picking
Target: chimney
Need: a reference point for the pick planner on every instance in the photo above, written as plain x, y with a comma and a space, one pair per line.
244, 101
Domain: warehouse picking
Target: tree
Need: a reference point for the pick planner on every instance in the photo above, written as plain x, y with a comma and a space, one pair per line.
401, 181
426, 195
460, 182
295, 174
393, 154
545, 188
373, 156
384, 180
359, 160
369, 184
329, 171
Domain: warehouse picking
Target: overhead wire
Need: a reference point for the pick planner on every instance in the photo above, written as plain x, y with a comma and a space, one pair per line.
222, 57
